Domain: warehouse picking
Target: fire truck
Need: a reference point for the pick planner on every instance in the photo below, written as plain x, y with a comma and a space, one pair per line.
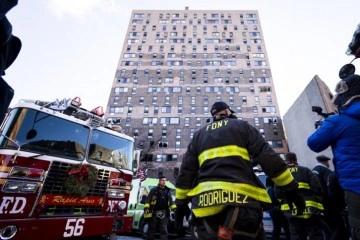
64, 173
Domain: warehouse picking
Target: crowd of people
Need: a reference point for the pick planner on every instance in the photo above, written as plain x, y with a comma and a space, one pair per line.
227, 199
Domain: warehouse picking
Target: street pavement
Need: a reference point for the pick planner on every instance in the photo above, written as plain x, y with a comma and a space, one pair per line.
136, 237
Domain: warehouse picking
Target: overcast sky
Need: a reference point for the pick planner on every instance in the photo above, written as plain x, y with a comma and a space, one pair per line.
72, 47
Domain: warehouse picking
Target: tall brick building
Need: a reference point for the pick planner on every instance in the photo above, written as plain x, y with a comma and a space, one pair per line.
175, 64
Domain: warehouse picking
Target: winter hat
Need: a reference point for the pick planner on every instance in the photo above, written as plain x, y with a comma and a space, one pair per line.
347, 90
218, 107
322, 158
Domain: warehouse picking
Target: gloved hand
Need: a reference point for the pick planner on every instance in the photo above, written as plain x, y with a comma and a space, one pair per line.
181, 211
146, 210
295, 197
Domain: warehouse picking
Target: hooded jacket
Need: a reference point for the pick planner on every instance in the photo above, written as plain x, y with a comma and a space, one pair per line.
341, 132
217, 171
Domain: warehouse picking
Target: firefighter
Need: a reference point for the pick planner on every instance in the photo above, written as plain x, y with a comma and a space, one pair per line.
157, 208
216, 173
10, 46
304, 223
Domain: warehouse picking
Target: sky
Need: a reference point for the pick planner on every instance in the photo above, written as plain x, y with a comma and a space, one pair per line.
71, 48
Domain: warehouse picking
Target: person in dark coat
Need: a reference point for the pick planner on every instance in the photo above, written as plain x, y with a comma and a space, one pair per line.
338, 207
217, 176
157, 209
341, 132
322, 171
306, 223
277, 216
10, 46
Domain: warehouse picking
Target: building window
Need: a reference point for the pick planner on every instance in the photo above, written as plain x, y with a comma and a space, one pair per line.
163, 144
192, 131
238, 110
192, 110
154, 100
133, 90
117, 110
141, 100
244, 99
231, 100
146, 110
150, 133
187, 122
178, 133
170, 120
252, 90
265, 89
166, 110
180, 109
128, 101
116, 100
206, 110
268, 109
149, 121
164, 133
198, 122
128, 121
275, 132
118, 90
257, 121
262, 132
177, 146
270, 120
206, 100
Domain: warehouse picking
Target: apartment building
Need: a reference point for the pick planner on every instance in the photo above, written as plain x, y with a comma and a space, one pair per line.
175, 64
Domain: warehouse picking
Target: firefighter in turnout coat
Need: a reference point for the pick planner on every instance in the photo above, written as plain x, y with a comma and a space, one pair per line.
217, 175
157, 208
305, 222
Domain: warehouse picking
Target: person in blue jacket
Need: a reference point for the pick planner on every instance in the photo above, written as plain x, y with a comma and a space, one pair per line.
341, 132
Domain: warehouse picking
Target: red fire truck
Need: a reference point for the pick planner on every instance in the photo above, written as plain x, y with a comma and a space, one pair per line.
63, 172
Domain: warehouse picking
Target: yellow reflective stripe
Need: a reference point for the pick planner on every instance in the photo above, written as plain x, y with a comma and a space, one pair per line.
181, 193
304, 185
256, 193
283, 179
146, 205
306, 215
148, 215
208, 211
225, 151
172, 207
308, 203
314, 205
